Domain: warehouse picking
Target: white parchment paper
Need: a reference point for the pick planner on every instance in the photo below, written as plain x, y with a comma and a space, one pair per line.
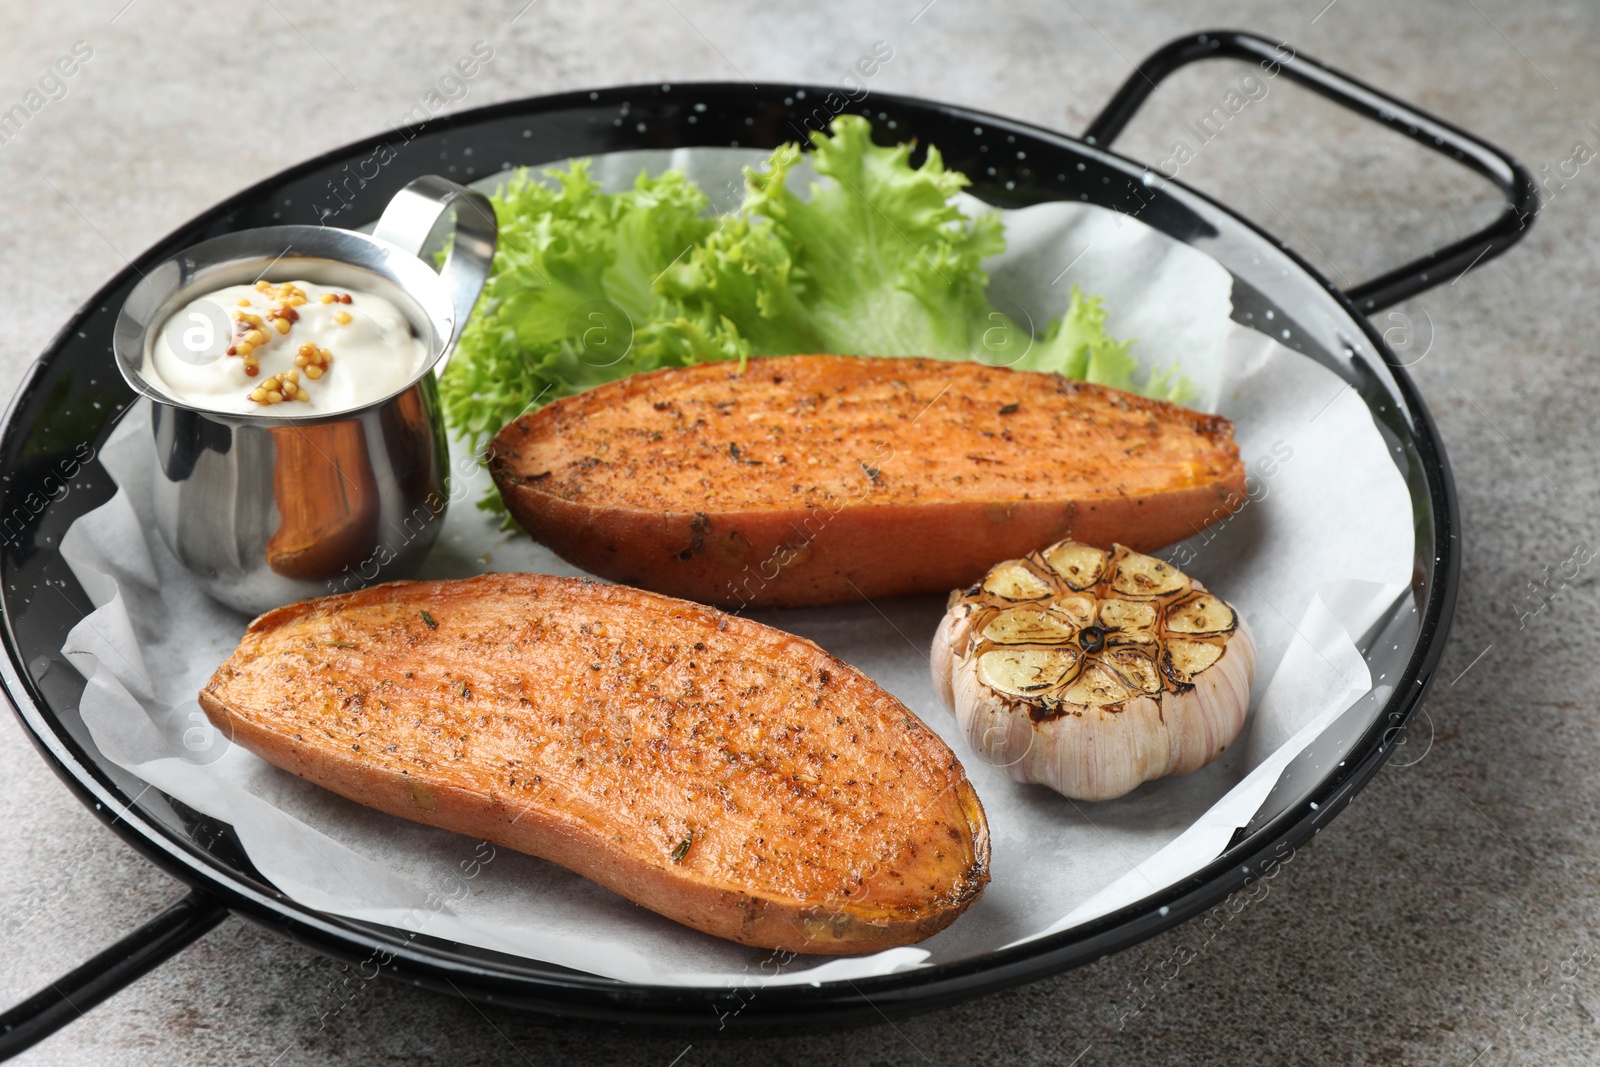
1322, 549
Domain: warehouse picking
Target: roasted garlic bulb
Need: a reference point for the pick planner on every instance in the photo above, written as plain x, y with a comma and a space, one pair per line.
1093, 671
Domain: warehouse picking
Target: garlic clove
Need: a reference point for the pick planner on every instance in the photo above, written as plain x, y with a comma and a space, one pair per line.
1015, 580
1186, 659
1139, 575
1135, 668
1077, 609
1092, 671
1021, 626
1022, 672
1128, 614
1202, 614
1097, 687
1082, 566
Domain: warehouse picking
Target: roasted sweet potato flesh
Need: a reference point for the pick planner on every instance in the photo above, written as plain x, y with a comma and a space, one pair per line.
725, 774
817, 479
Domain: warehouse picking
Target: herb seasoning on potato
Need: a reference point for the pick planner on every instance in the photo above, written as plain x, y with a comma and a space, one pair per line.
803, 480
727, 775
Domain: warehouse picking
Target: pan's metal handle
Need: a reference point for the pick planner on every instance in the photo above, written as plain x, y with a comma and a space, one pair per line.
410, 218
1522, 194
119, 966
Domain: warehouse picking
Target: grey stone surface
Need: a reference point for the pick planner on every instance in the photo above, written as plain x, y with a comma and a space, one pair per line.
1451, 915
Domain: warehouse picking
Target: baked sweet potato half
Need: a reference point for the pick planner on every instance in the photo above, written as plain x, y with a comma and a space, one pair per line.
720, 772
817, 479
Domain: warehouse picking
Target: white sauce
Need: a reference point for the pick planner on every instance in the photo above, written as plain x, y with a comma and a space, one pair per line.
373, 354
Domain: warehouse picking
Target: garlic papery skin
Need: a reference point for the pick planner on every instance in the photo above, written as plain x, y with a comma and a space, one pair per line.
1093, 671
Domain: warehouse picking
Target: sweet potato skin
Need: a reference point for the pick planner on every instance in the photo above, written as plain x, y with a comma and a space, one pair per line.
806, 480
602, 727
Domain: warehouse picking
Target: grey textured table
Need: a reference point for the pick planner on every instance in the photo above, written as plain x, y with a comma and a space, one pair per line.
1449, 916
